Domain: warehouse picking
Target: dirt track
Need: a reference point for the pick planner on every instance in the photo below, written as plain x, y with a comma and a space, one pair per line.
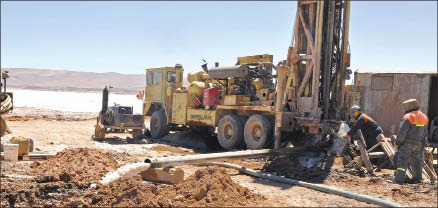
55, 135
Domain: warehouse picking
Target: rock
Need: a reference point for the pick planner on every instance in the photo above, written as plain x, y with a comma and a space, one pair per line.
179, 197
201, 194
209, 198
35, 164
45, 179
64, 177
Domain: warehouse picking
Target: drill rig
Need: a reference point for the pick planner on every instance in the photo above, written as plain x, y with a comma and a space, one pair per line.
246, 104
311, 81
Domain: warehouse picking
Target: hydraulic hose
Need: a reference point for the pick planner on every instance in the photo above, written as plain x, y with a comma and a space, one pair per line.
319, 187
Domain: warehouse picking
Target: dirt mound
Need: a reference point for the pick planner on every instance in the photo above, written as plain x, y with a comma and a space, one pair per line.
210, 187
207, 187
81, 165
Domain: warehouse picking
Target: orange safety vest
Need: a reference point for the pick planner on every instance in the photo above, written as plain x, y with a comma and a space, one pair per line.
366, 118
417, 118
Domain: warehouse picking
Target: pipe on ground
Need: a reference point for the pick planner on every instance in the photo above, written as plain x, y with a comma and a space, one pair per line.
162, 162
319, 187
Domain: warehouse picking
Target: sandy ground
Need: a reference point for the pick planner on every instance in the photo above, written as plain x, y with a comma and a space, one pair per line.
53, 132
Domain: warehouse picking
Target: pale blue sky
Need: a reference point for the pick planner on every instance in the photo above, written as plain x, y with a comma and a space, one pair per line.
128, 37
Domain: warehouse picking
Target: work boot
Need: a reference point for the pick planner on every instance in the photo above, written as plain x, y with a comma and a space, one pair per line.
413, 181
400, 175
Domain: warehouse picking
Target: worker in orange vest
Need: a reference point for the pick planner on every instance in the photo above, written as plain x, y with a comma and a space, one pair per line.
410, 142
369, 127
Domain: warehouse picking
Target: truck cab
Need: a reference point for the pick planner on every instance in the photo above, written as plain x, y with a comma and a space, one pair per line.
160, 85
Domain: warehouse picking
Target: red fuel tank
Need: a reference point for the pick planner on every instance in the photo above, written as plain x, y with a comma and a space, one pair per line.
210, 96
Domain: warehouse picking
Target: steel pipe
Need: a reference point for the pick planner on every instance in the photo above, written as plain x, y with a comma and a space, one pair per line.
203, 158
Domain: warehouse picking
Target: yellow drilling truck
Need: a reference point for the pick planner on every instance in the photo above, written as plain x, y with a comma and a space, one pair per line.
236, 99
249, 105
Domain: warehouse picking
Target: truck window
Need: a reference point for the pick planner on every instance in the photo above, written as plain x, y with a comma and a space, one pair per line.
149, 78
180, 77
157, 76
171, 76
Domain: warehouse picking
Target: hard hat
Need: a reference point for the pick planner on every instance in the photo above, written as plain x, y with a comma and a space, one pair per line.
410, 104
355, 111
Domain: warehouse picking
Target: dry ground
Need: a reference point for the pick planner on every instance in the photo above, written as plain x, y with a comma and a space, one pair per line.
55, 133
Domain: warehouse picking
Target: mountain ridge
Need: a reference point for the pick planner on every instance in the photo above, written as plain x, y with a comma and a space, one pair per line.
67, 80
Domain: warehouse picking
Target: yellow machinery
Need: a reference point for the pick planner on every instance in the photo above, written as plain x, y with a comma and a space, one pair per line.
6, 103
223, 97
247, 104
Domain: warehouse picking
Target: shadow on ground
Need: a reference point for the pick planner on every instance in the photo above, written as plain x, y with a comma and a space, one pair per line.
199, 143
312, 167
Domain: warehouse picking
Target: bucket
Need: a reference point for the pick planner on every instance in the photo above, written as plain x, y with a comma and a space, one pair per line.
10, 152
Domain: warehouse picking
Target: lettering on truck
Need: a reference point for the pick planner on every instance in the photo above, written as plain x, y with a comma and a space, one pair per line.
201, 117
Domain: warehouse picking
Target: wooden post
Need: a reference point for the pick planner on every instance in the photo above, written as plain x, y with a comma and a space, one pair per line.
363, 152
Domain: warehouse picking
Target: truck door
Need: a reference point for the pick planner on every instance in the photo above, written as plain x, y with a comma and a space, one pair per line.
153, 91
154, 85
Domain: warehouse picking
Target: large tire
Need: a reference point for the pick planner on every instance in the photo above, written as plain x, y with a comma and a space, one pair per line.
158, 125
230, 132
258, 132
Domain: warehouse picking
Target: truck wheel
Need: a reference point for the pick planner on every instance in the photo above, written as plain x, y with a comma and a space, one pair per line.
258, 132
230, 132
137, 134
158, 124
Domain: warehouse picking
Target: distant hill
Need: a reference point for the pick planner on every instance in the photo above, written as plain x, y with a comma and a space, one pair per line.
63, 80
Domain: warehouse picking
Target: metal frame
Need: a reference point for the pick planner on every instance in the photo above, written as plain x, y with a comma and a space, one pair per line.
316, 62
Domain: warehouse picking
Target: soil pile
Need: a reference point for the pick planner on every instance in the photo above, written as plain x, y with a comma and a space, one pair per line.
65, 179
81, 165
211, 186
207, 187
67, 174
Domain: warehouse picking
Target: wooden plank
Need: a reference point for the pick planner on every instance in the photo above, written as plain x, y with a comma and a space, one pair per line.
306, 57
306, 77
363, 153
387, 147
37, 156
164, 175
308, 2
373, 155
374, 147
430, 172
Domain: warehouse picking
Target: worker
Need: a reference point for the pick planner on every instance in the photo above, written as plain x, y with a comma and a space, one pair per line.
410, 142
370, 129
